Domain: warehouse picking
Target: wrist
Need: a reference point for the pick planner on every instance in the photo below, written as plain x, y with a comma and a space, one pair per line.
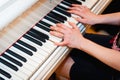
83, 42
99, 19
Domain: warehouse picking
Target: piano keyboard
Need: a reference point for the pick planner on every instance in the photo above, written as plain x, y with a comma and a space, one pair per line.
30, 53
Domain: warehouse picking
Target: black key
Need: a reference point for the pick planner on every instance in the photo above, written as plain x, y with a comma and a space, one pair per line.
62, 11
8, 64
39, 38
44, 23
2, 78
33, 40
42, 27
27, 45
62, 7
84, 0
12, 60
16, 55
51, 20
66, 3
73, 2
55, 20
23, 49
5, 74
40, 33
57, 16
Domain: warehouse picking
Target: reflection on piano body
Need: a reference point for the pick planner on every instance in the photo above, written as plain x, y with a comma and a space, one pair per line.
27, 51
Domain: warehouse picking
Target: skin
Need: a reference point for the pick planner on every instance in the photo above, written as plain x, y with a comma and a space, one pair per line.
71, 37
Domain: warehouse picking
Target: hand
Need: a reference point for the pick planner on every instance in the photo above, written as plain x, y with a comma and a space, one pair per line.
71, 36
86, 16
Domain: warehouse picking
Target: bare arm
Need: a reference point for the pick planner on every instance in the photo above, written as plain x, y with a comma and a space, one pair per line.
113, 18
108, 56
73, 38
88, 17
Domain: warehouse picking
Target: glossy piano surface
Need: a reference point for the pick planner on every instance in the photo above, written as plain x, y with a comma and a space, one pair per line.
27, 50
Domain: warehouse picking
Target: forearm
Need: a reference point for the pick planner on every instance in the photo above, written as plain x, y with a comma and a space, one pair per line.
105, 55
113, 19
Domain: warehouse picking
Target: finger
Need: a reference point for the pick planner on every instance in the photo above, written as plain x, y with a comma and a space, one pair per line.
57, 34
79, 19
73, 25
63, 27
61, 43
75, 5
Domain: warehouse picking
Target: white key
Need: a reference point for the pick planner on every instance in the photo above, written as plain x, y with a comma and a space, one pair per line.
15, 74
89, 3
31, 60
43, 54
51, 37
50, 46
25, 64
49, 22
35, 54
40, 49
4, 77
64, 5
21, 69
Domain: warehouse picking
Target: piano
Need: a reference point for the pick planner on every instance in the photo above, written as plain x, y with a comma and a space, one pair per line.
27, 51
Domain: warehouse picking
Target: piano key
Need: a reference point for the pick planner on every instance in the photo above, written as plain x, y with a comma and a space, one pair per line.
31, 69
31, 60
72, 2
58, 17
64, 8
47, 21
48, 47
42, 26
27, 45
15, 75
44, 23
40, 34
84, 0
62, 11
42, 51
8, 64
35, 55
23, 70
34, 35
51, 37
5, 73
54, 20
12, 60
50, 19
32, 39
38, 56
16, 55
23, 49
2, 77
69, 19
66, 3
34, 58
